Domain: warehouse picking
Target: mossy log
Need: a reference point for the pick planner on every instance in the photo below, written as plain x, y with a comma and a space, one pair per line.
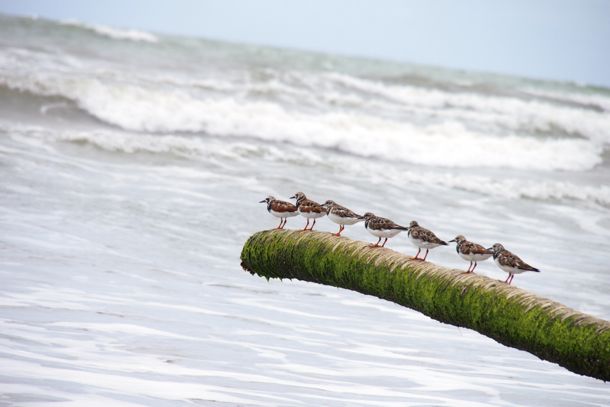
508, 314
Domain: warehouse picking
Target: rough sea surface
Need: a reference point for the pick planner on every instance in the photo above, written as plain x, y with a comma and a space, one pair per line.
131, 166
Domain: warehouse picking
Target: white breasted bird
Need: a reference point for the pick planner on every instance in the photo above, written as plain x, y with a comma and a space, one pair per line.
470, 251
381, 228
509, 262
280, 209
423, 238
341, 215
308, 209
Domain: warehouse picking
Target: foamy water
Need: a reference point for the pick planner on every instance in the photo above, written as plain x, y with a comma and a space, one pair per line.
130, 184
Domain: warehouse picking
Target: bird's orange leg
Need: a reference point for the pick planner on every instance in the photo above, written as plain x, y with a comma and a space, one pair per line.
426, 255
376, 244
417, 255
306, 224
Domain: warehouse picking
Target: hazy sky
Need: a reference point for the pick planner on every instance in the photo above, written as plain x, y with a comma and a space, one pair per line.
553, 39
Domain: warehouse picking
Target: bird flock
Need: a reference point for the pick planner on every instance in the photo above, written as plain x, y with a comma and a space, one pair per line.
384, 228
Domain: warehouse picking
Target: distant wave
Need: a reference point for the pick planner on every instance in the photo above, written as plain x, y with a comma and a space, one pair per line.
112, 32
509, 112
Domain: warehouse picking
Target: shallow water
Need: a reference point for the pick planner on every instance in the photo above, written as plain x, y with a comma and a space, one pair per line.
131, 168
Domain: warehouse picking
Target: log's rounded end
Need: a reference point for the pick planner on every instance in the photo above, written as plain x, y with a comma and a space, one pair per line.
508, 314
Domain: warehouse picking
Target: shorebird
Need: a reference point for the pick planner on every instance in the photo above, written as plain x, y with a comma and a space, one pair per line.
280, 209
341, 215
308, 208
509, 262
381, 227
470, 251
423, 238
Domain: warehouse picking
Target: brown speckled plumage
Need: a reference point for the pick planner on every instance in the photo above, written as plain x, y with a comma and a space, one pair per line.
381, 228
307, 205
341, 215
281, 206
470, 251
423, 234
339, 210
280, 209
509, 262
508, 259
309, 209
465, 247
378, 223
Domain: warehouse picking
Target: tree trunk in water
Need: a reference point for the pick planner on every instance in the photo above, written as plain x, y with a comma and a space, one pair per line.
508, 314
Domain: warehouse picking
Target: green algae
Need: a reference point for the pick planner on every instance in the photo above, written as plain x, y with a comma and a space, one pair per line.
509, 315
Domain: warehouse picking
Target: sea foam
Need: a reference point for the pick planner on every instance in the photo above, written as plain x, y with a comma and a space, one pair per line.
195, 147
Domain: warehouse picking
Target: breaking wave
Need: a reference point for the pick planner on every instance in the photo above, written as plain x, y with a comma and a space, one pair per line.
112, 32
447, 144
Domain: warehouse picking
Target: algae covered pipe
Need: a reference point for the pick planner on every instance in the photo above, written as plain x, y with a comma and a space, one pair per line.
510, 315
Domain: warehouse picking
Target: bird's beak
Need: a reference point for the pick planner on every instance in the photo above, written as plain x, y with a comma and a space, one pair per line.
452, 240
293, 197
263, 201
490, 249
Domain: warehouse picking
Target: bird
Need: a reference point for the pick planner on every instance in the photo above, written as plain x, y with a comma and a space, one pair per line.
280, 209
470, 251
381, 227
423, 238
308, 208
341, 215
509, 262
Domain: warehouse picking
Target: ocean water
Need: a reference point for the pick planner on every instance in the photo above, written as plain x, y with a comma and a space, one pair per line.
131, 166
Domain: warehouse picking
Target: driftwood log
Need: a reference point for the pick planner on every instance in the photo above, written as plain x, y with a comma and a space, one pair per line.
508, 314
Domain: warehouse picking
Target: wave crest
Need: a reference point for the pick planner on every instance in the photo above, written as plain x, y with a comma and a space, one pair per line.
112, 32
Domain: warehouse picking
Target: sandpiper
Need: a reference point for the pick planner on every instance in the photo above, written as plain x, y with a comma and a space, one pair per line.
341, 215
509, 262
381, 227
423, 238
280, 209
470, 251
308, 208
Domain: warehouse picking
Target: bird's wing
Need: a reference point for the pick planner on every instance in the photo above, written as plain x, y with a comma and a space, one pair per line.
512, 260
282, 206
383, 223
425, 235
473, 248
311, 207
343, 212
